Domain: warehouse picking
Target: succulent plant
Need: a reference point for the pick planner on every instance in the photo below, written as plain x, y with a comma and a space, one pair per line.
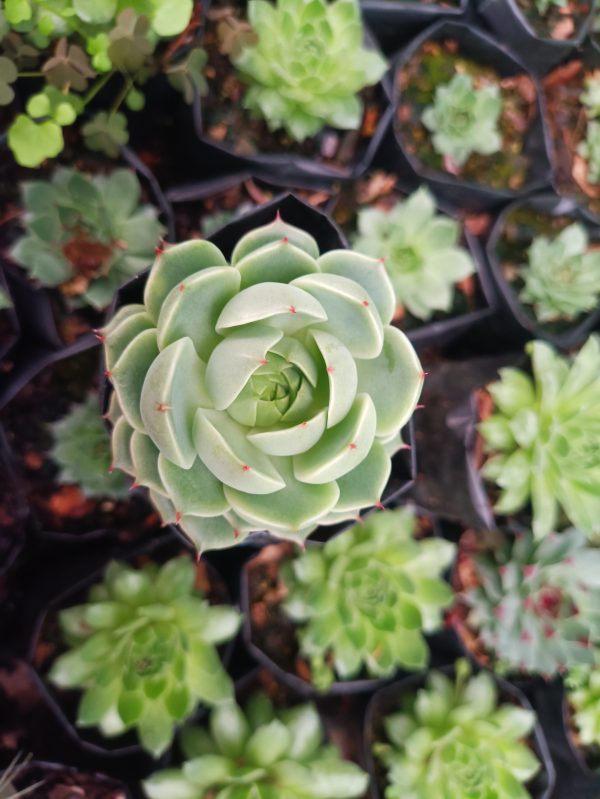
421, 252
265, 394
365, 599
464, 119
535, 609
260, 753
544, 6
583, 696
86, 234
456, 739
562, 276
143, 650
82, 452
544, 438
308, 65
590, 98
589, 149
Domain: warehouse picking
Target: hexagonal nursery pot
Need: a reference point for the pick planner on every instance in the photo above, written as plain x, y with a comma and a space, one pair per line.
511, 235
527, 171
389, 699
39, 780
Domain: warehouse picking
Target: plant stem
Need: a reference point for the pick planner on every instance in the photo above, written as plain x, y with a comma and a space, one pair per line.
122, 95
97, 87
30, 75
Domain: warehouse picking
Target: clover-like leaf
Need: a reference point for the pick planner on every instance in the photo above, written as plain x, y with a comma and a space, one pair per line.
106, 133
69, 67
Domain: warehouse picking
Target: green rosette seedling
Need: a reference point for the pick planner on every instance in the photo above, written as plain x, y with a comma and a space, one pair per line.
274, 754
264, 393
82, 452
86, 235
420, 249
562, 275
543, 438
534, 607
463, 119
143, 651
456, 738
306, 65
365, 600
589, 148
583, 698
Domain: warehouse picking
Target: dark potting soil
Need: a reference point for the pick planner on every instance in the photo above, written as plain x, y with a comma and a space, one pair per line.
379, 190
227, 123
66, 783
435, 64
62, 507
559, 21
567, 123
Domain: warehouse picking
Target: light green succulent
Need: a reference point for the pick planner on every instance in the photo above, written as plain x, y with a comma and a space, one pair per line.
82, 452
308, 65
464, 119
143, 650
86, 234
5, 300
544, 6
590, 150
535, 607
544, 438
583, 696
590, 98
562, 276
260, 753
455, 739
366, 598
265, 394
420, 251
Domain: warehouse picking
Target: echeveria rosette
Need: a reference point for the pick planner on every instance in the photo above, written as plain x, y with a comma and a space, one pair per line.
365, 599
308, 65
455, 739
143, 650
583, 696
562, 276
88, 234
536, 607
420, 249
260, 752
464, 119
544, 438
265, 394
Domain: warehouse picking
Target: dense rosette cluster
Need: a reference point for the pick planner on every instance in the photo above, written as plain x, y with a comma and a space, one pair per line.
143, 649
536, 606
562, 276
583, 695
308, 65
265, 394
456, 740
262, 752
544, 438
366, 598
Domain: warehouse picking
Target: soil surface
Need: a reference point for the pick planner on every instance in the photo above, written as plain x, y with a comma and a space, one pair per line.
560, 22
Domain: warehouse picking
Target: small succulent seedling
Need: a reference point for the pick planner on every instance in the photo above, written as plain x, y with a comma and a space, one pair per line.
544, 438
583, 696
590, 98
464, 119
143, 650
82, 452
456, 739
535, 609
544, 6
267, 393
260, 753
308, 65
420, 251
562, 276
590, 150
366, 598
85, 234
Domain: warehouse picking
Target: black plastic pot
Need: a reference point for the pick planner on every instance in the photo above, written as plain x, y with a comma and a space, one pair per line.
552, 205
475, 196
10, 323
388, 700
53, 779
14, 510
124, 749
539, 53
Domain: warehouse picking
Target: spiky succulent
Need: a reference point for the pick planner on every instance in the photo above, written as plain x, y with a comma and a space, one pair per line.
590, 150
456, 739
308, 65
265, 394
421, 252
583, 696
260, 753
544, 438
535, 609
366, 598
82, 452
143, 650
562, 276
86, 234
464, 119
